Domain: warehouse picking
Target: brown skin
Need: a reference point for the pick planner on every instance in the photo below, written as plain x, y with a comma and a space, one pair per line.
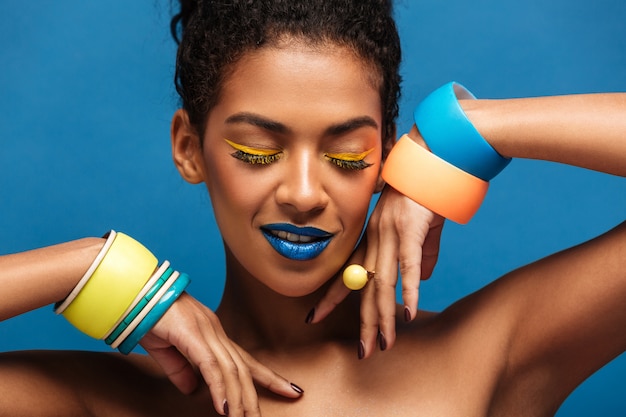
517, 347
471, 360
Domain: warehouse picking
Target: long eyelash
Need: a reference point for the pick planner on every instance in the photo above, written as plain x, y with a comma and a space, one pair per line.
256, 159
349, 161
253, 156
350, 165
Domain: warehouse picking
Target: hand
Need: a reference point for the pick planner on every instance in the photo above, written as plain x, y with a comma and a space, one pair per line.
399, 231
190, 336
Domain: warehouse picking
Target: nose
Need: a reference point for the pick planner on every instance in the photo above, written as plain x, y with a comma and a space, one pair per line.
301, 189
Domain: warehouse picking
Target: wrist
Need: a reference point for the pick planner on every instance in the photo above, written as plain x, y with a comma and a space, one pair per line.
122, 293
452, 136
432, 182
489, 118
445, 163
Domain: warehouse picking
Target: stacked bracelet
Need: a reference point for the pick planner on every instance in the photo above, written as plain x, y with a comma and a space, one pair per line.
451, 136
452, 179
120, 293
140, 303
154, 314
117, 279
434, 183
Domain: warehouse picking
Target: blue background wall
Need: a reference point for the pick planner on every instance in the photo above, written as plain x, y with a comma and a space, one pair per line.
86, 98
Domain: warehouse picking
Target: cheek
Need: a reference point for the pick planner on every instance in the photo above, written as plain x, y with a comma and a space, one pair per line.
235, 194
352, 198
231, 179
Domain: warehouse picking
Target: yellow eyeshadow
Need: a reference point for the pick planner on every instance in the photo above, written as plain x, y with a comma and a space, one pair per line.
349, 156
251, 151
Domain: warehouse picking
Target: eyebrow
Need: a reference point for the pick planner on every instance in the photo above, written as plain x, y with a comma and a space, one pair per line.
258, 121
277, 127
351, 125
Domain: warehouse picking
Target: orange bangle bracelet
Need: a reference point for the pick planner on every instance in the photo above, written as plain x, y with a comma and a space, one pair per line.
432, 182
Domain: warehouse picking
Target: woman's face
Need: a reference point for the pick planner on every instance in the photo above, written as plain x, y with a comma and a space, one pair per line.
291, 157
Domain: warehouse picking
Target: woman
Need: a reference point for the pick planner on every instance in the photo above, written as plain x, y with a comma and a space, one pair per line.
312, 142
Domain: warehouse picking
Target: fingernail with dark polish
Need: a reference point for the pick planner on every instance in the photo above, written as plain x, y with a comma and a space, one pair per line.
407, 314
361, 352
225, 407
382, 343
310, 316
296, 388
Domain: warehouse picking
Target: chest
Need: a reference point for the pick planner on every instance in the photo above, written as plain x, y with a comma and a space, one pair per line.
395, 382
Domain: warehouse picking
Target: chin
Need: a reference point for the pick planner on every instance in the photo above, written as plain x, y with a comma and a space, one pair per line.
297, 284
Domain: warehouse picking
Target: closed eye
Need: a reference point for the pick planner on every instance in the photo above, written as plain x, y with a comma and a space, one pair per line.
349, 161
254, 156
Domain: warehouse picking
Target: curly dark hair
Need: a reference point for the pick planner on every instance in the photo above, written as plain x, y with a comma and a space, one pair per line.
212, 35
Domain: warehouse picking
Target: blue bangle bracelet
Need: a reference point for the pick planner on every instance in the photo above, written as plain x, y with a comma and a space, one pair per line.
137, 309
144, 312
155, 314
451, 136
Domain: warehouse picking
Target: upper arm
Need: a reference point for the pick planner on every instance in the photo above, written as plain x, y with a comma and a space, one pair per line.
567, 315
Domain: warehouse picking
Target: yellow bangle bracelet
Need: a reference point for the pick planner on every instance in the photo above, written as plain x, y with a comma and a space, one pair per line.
433, 182
60, 307
113, 286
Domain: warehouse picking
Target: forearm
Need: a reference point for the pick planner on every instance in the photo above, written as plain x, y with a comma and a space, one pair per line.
43, 276
583, 130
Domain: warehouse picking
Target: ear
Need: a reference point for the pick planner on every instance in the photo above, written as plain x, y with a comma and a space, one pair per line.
387, 145
186, 149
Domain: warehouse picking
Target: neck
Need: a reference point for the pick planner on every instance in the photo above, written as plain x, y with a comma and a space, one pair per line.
256, 317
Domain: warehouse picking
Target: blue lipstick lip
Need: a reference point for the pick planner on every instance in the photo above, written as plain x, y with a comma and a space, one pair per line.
298, 251
304, 231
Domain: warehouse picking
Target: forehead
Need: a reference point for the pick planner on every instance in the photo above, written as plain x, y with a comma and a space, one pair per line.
299, 81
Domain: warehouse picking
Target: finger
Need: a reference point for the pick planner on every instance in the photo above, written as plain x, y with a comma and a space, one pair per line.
196, 337
369, 310
176, 367
410, 270
369, 321
220, 374
336, 293
385, 281
250, 397
204, 348
250, 371
411, 266
430, 250
244, 401
269, 379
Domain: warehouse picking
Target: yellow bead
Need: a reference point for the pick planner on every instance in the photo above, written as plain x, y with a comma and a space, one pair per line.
355, 277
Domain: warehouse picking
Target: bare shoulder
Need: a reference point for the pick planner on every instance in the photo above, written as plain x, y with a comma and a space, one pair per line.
456, 356
529, 338
73, 383
35, 384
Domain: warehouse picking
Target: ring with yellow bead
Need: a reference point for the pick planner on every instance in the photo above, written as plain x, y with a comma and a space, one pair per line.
355, 276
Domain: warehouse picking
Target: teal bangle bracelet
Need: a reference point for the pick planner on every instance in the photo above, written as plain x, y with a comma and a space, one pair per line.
172, 294
144, 312
138, 299
451, 136
140, 306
